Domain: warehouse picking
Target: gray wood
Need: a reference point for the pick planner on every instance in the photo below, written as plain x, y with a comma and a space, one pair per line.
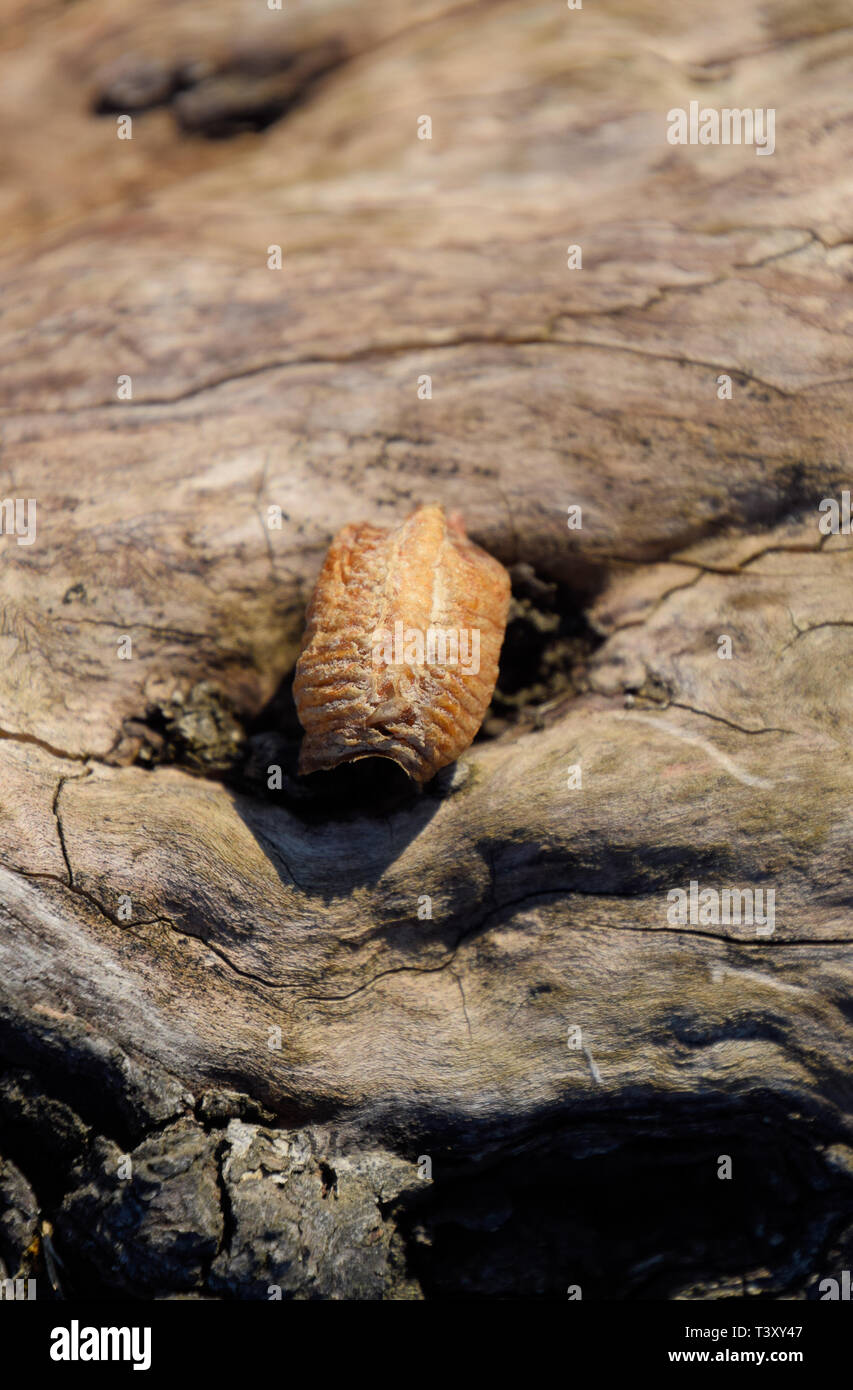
253, 910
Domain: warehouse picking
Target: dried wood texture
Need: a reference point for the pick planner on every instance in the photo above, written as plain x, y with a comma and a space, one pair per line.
486, 974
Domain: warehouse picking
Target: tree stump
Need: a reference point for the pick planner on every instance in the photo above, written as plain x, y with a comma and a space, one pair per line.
337, 1037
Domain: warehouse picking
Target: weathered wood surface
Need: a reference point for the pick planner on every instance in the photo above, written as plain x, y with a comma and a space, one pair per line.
253, 910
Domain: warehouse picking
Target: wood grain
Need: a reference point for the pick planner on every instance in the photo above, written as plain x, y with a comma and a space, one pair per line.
184, 955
